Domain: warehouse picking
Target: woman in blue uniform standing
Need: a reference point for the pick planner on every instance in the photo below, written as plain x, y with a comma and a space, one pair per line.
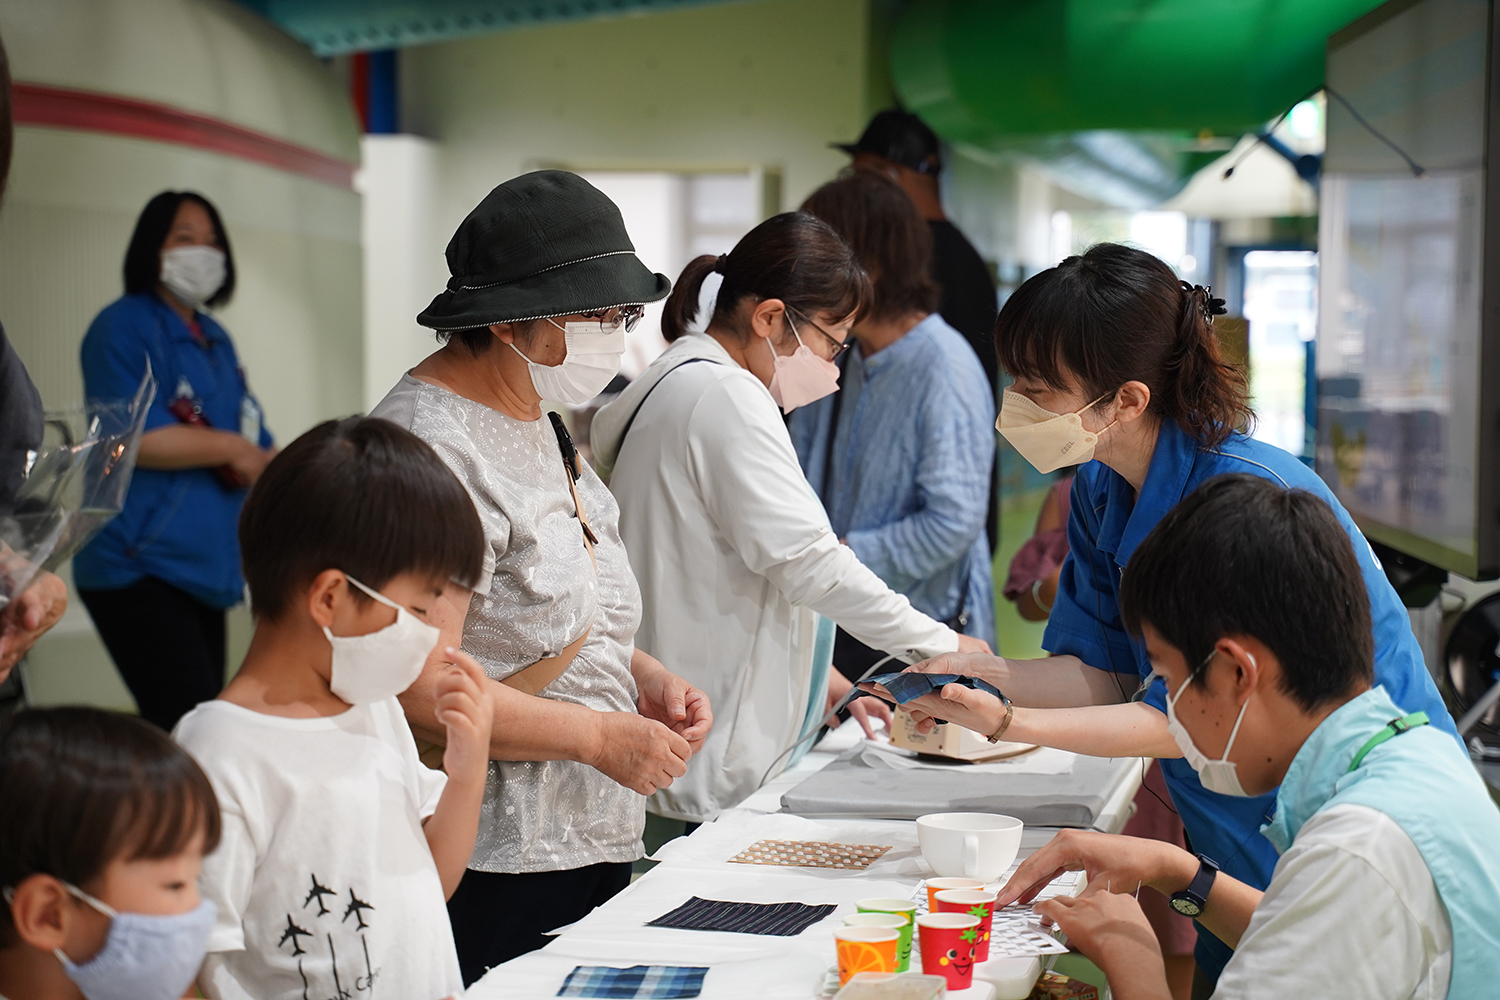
159, 578
1117, 370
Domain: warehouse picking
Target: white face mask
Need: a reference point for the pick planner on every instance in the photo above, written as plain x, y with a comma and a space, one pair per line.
1047, 440
801, 377
593, 360
1220, 775
193, 274
381, 664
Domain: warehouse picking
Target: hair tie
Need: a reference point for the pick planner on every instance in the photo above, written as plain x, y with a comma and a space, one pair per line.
719, 263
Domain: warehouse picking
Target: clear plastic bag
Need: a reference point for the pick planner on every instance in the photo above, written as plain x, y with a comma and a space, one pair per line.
76, 484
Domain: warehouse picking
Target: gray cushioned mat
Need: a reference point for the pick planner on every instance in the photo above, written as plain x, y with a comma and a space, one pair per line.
849, 787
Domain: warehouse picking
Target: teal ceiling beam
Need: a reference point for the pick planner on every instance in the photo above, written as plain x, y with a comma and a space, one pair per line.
337, 27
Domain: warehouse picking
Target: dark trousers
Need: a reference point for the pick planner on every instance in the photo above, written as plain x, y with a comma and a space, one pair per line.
497, 916
167, 645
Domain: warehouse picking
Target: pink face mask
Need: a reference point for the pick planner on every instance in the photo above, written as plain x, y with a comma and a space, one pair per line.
801, 377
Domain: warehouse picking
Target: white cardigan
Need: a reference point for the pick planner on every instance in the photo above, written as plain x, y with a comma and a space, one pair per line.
734, 554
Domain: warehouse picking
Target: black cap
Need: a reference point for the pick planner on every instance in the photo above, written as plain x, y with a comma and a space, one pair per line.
901, 137
547, 243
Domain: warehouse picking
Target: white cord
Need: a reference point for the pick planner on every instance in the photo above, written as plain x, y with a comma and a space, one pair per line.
843, 703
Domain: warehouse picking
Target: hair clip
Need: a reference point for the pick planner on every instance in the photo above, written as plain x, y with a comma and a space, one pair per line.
1211, 306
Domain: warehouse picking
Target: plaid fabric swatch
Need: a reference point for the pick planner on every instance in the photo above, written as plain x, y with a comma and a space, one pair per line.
781, 919
639, 982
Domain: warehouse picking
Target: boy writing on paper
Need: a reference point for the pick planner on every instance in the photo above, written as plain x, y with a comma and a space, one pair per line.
339, 847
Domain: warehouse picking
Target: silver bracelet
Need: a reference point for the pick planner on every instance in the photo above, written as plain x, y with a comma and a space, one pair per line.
1036, 596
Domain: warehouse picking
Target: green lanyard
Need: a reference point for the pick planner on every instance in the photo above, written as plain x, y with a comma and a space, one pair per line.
1392, 729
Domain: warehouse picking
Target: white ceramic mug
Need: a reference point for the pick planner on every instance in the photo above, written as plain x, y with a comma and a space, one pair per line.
969, 845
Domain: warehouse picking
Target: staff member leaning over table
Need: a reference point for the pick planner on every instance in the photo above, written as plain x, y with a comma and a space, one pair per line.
1255, 616
732, 547
545, 282
169, 564
1116, 366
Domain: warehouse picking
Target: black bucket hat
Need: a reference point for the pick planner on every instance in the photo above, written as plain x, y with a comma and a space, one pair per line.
547, 243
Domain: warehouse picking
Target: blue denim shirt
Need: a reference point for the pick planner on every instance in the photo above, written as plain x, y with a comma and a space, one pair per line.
177, 525
1106, 524
912, 458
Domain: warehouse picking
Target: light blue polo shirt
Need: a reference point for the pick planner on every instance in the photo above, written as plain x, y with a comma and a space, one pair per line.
1106, 524
180, 525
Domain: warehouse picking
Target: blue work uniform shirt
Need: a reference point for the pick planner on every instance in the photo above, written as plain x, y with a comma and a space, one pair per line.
912, 459
177, 525
1106, 524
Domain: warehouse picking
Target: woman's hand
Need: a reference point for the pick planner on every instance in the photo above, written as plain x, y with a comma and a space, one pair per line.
672, 701
465, 709
979, 711
1110, 930
249, 460
32, 612
971, 644
1122, 864
639, 753
862, 710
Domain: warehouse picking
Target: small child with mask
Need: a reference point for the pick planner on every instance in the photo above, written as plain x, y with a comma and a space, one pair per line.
104, 822
339, 847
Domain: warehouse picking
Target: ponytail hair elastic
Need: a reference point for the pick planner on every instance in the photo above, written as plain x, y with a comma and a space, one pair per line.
719, 263
1203, 296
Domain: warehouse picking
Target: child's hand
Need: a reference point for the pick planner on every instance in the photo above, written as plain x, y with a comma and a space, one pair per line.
465, 709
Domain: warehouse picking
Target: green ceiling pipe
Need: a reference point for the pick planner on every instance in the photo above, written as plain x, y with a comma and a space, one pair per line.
983, 71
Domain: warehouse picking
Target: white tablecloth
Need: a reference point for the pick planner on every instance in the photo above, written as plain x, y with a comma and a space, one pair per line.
749, 966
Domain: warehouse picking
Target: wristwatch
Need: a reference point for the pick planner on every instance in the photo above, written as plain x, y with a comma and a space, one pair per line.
1191, 901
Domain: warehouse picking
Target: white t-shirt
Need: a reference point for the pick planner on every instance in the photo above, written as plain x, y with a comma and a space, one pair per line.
1351, 911
324, 881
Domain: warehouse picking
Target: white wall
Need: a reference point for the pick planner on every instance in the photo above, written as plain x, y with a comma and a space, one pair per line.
74, 196
403, 260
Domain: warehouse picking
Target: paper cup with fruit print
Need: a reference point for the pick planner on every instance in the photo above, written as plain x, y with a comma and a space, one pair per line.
903, 907
865, 949
976, 903
950, 942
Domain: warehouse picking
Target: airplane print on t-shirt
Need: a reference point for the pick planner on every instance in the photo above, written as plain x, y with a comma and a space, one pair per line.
357, 978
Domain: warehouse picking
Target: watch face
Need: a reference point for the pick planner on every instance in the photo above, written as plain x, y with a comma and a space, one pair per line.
1186, 907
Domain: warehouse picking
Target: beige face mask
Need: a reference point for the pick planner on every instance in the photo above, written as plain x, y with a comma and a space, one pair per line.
1047, 440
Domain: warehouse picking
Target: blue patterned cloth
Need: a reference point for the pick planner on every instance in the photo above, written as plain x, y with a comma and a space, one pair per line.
642, 982
912, 457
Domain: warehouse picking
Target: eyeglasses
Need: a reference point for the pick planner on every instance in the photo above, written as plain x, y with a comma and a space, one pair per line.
839, 346
612, 320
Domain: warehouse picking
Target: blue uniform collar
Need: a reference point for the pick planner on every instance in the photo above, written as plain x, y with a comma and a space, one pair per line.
177, 330
911, 344
1128, 518
1321, 766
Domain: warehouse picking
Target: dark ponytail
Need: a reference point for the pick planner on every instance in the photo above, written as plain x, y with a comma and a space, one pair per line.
1115, 315
792, 256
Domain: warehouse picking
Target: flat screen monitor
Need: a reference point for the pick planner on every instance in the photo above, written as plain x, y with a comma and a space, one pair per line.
1409, 293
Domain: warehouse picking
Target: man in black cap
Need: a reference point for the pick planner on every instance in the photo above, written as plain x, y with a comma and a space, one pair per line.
900, 145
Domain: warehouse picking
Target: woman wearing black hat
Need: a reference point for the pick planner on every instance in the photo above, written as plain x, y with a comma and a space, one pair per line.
545, 283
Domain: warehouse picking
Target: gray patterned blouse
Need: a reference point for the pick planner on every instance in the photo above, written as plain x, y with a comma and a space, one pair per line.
538, 594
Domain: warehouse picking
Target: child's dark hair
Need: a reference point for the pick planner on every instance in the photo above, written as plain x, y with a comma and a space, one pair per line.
360, 495
793, 257
1116, 315
1242, 555
143, 256
883, 228
81, 788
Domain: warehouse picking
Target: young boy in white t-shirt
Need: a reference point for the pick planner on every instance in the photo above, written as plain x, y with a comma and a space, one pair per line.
339, 848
